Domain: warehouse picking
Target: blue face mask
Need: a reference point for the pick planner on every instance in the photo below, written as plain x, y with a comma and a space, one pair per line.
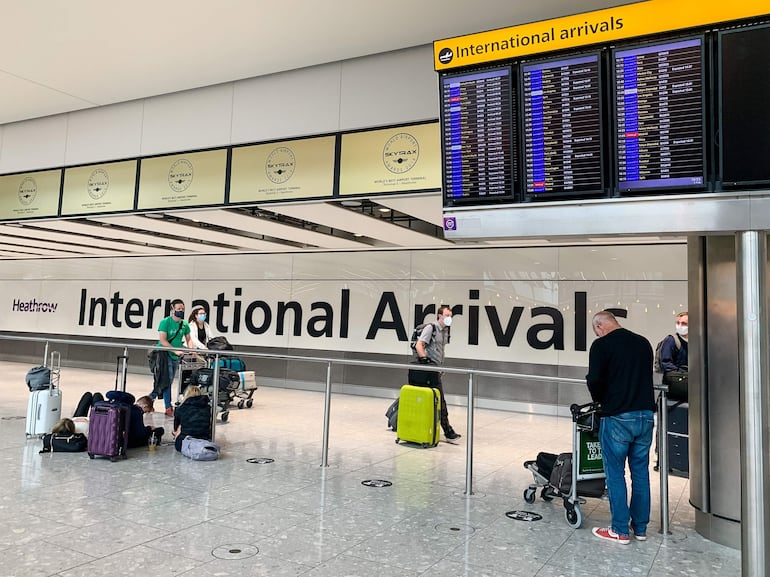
202, 317
179, 314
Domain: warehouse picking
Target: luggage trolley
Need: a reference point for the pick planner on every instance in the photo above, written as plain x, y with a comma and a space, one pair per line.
585, 462
189, 364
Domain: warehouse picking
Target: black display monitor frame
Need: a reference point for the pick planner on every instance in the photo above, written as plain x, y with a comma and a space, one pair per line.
691, 183
601, 188
475, 197
743, 118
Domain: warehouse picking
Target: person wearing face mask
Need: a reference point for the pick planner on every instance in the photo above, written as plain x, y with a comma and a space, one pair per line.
200, 331
430, 350
673, 351
173, 334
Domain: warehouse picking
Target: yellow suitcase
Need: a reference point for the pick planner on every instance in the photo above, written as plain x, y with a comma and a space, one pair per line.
418, 415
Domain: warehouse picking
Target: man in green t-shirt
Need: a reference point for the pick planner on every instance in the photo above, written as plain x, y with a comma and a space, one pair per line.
174, 334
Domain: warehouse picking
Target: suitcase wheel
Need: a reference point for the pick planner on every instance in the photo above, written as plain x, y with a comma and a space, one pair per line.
90, 455
397, 440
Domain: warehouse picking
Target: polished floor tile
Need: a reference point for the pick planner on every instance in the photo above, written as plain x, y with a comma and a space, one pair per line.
268, 508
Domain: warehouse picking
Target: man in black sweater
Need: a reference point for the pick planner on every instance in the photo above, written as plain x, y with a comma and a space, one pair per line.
620, 378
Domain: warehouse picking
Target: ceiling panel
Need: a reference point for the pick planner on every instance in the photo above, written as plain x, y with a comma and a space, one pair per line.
427, 207
83, 244
166, 227
357, 223
240, 221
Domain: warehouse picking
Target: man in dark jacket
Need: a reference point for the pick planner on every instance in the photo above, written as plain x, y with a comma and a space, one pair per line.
620, 378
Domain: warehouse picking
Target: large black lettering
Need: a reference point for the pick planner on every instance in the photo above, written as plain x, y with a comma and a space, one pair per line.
556, 327
283, 308
503, 339
82, 313
424, 314
237, 311
473, 318
581, 320
387, 302
326, 320
152, 306
344, 313
267, 317
92, 312
620, 313
220, 304
116, 301
134, 308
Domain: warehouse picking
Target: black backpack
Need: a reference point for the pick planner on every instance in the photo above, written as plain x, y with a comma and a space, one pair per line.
656, 366
416, 335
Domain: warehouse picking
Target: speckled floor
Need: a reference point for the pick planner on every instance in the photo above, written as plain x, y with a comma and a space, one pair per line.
158, 513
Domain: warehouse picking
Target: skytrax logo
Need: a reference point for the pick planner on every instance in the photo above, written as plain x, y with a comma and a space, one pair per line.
33, 306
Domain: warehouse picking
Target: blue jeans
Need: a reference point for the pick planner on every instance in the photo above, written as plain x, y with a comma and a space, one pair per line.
172, 366
628, 436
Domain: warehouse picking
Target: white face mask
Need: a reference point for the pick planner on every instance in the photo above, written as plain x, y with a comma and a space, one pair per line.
681, 330
447, 321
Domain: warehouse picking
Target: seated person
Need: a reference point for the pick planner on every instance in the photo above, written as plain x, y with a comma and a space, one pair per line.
192, 417
138, 433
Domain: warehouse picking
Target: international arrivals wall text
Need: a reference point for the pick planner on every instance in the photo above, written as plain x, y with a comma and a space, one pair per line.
676, 112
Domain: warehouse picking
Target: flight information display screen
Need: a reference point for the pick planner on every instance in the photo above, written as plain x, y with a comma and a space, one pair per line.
659, 115
744, 97
562, 126
477, 131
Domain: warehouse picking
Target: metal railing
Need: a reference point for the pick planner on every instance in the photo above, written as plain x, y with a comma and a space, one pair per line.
329, 362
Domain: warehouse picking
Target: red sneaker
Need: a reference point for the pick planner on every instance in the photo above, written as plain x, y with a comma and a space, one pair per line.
170, 412
608, 534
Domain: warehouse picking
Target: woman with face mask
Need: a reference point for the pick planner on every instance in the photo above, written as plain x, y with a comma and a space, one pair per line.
200, 331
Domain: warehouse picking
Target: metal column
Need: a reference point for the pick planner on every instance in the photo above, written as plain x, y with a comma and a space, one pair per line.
751, 260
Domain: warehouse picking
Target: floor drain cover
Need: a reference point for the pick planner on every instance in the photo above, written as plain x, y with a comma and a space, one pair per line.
523, 516
235, 551
376, 483
455, 529
260, 460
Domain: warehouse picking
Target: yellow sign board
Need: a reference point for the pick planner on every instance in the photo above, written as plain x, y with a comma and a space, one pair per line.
283, 170
391, 160
601, 26
30, 195
191, 179
99, 188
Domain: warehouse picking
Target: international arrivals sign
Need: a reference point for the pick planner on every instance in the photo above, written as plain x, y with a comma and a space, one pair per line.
598, 27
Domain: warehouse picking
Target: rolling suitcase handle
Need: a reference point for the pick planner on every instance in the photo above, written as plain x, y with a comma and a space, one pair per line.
55, 368
121, 372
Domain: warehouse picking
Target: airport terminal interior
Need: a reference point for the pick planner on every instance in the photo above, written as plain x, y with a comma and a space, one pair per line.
268, 508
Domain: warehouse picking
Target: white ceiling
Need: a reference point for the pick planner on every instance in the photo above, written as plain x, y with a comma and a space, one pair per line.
57, 57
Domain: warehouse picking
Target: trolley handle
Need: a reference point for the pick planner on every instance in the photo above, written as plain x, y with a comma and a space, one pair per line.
579, 411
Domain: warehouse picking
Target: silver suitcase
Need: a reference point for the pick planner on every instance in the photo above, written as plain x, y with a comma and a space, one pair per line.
44, 407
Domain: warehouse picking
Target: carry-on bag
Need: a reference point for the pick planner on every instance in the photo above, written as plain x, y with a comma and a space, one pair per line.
108, 421
44, 405
418, 415
392, 415
232, 363
561, 479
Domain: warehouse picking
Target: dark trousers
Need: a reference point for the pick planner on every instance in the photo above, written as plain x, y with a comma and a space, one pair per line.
443, 412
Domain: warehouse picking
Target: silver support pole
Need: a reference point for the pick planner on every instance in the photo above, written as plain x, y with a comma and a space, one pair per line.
45, 355
215, 400
752, 317
663, 458
327, 411
469, 440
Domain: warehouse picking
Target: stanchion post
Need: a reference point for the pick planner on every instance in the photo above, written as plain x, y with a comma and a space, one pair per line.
469, 440
215, 400
327, 410
663, 457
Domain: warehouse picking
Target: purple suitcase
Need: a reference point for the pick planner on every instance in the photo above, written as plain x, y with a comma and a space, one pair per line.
108, 430
108, 421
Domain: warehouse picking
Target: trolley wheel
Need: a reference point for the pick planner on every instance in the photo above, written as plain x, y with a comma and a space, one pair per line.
529, 495
573, 515
240, 404
224, 416
249, 403
545, 495
397, 440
